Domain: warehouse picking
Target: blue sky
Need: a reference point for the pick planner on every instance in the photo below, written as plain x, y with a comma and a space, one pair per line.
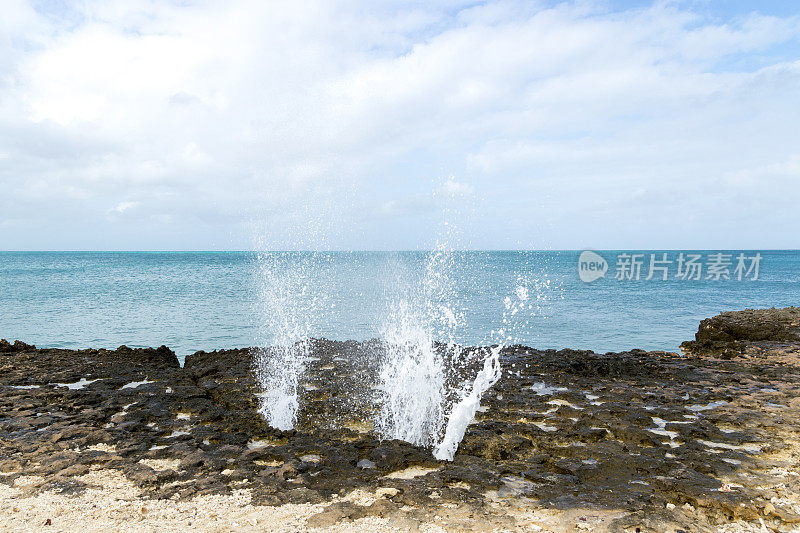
145, 125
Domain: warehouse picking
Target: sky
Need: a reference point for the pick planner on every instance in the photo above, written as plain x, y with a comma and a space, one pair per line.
607, 124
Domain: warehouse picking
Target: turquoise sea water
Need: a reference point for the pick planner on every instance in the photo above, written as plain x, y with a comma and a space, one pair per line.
206, 300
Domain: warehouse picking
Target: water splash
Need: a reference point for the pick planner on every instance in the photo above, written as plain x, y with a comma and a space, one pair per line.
428, 387
278, 370
427, 393
414, 368
411, 382
464, 411
288, 308
416, 404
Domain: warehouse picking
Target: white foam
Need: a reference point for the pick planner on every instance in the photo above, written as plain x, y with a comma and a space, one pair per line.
25, 387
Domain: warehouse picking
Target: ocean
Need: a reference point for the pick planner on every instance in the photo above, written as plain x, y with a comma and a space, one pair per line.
208, 300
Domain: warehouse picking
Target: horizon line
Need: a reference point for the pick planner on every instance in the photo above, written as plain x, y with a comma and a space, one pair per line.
422, 250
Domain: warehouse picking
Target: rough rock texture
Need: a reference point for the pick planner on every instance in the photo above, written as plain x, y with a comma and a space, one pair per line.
633, 441
729, 334
18, 346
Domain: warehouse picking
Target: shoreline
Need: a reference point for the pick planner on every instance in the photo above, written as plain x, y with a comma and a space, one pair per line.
567, 439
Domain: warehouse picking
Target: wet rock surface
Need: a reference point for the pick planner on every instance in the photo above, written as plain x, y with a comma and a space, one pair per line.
647, 441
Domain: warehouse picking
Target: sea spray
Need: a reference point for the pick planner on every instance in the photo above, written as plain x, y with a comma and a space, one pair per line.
288, 308
411, 383
414, 367
463, 412
424, 397
278, 371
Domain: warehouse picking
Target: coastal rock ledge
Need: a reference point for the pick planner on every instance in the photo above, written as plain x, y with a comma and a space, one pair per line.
707, 440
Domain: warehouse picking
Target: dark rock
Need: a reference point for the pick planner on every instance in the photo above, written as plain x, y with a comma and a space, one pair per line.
196, 460
74, 470
18, 346
632, 431
727, 334
10, 465
140, 474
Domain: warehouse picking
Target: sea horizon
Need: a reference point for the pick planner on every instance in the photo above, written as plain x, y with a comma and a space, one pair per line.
421, 250
205, 300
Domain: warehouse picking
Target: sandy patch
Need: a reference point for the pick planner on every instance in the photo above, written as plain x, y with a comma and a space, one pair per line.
161, 464
28, 481
112, 503
410, 472
101, 447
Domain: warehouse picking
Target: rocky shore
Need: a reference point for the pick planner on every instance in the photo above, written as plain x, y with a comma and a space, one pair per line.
706, 440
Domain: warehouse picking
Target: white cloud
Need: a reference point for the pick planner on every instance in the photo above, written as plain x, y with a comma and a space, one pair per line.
123, 206
326, 114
